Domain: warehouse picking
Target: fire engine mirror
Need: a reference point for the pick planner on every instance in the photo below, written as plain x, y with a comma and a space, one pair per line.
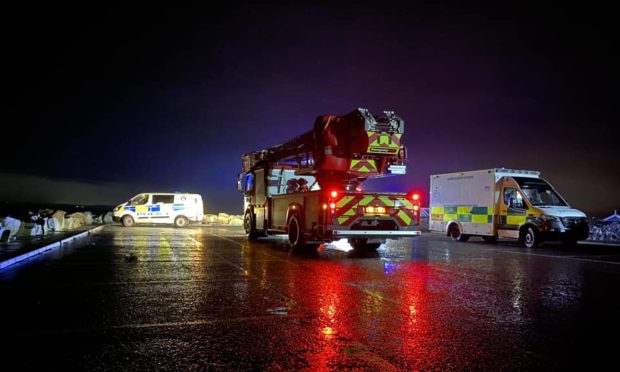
240, 182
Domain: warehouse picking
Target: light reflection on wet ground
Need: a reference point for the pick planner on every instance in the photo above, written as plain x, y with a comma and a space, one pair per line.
204, 297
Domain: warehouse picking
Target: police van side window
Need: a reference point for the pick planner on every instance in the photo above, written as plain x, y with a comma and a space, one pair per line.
140, 199
163, 199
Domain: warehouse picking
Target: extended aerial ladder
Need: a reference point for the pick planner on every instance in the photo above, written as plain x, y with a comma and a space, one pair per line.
337, 155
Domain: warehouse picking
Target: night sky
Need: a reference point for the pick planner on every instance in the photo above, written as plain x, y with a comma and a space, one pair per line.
151, 98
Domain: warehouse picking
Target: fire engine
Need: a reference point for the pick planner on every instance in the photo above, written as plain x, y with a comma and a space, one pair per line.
310, 187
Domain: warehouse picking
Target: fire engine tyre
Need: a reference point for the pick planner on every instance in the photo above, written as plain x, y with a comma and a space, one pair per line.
490, 239
361, 244
296, 236
455, 233
530, 237
127, 221
181, 221
249, 224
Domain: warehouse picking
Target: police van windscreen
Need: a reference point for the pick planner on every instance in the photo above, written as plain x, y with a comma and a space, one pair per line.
539, 192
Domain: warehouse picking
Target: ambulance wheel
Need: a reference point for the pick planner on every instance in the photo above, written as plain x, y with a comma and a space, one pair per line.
361, 244
455, 233
249, 224
490, 239
530, 238
296, 236
127, 221
181, 221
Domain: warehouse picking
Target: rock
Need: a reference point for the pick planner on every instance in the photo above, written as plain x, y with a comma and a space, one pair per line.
235, 221
108, 217
12, 224
75, 220
223, 218
209, 218
57, 221
36, 230
605, 231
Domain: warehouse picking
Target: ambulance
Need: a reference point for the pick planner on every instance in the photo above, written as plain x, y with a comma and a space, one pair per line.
160, 208
503, 203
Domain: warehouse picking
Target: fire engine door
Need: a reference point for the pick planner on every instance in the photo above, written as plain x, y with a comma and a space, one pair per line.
260, 198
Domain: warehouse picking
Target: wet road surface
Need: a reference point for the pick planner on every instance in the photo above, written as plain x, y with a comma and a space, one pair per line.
204, 298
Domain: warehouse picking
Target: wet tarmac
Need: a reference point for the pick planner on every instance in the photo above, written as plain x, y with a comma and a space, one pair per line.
204, 298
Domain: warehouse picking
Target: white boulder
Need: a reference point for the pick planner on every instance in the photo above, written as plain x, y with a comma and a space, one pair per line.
235, 221
13, 225
108, 217
223, 218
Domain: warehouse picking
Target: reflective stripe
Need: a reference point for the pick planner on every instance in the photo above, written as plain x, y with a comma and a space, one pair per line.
344, 201
462, 213
366, 200
515, 220
479, 218
404, 217
437, 210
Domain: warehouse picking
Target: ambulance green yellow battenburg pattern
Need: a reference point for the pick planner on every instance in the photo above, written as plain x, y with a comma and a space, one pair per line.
350, 207
463, 213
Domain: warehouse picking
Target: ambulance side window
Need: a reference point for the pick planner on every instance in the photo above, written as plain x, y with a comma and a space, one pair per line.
513, 198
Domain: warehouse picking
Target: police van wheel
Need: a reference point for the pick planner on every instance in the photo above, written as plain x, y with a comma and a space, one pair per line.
127, 221
296, 236
530, 238
181, 221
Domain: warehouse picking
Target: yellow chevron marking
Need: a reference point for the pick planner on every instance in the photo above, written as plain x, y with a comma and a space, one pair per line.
366, 200
344, 201
386, 201
403, 216
342, 220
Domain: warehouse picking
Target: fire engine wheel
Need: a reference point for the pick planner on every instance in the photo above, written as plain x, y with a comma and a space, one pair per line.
530, 238
361, 244
181, 221
455, 233
249, 224
127, 221
296, 236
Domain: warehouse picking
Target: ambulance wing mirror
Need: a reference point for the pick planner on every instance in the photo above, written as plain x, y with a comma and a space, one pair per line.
516, 203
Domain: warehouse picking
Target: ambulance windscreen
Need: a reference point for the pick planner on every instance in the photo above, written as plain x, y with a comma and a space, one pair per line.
539, 192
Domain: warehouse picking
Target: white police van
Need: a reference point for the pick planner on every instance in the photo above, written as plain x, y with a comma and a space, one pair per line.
160, 207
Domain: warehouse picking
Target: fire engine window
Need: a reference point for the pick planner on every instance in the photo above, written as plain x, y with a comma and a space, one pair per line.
163, 199
248, 181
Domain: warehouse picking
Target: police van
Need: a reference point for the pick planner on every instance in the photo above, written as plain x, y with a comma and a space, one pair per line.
162, 208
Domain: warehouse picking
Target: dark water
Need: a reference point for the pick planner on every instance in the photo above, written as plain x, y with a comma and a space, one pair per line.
20, 209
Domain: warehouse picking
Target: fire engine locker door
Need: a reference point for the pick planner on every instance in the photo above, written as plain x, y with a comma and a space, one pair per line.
260, 190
